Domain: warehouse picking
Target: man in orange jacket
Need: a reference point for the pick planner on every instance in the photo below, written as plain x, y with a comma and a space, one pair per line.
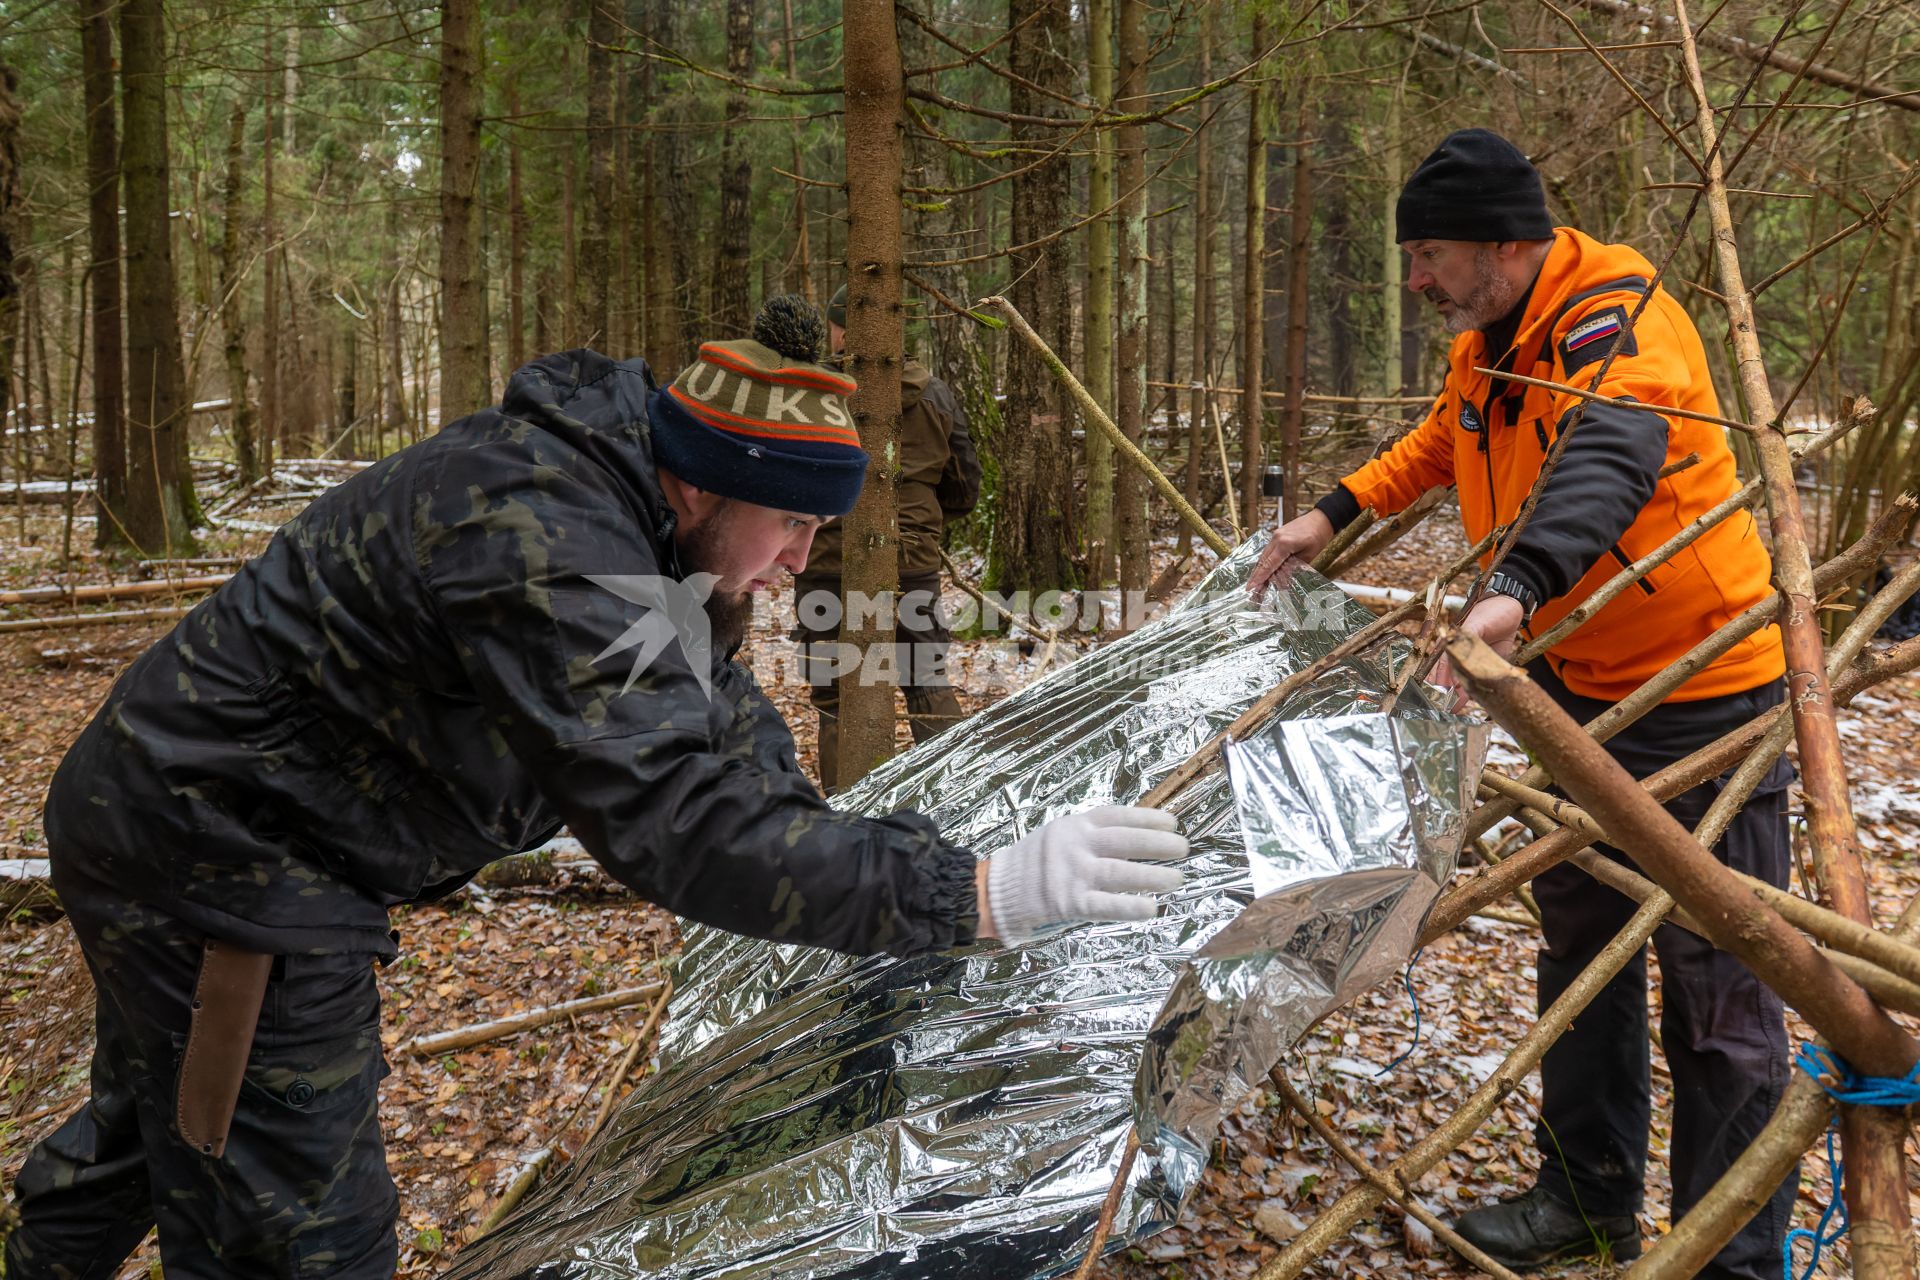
1523, 296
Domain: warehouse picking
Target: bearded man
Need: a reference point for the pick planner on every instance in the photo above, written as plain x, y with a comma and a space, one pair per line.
1524, 296
526, 620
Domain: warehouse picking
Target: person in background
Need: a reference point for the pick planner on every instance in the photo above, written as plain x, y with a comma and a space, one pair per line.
938, 482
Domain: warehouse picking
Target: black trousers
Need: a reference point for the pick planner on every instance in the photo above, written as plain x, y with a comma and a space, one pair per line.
1722, 1029
302, 1187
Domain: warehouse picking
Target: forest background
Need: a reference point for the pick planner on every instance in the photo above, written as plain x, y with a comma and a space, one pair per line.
241, 231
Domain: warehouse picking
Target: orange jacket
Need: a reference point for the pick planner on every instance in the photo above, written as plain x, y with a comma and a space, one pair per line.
1605, 505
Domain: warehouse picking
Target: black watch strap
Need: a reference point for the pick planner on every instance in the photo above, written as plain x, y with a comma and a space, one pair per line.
1505, 584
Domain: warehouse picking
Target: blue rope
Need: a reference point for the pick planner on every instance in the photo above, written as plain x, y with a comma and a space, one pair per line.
1407, 978
1821, 1237
1843, 1084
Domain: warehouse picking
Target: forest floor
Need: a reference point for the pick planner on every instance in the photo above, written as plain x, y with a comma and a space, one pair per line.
458, 1126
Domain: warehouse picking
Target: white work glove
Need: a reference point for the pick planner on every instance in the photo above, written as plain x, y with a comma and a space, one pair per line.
1085, 866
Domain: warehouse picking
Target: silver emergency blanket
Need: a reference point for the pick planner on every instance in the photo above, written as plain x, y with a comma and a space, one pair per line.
963, 1115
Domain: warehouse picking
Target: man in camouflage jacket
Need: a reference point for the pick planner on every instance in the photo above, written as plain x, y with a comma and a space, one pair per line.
524, 621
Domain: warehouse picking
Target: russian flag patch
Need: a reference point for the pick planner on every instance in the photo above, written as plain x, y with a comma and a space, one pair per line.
1589, 341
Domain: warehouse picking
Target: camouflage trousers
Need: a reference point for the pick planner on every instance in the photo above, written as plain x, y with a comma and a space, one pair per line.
301, 1188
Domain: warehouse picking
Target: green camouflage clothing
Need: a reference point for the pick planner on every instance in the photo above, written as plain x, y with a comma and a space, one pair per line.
417, 677
403, 687
302, 1188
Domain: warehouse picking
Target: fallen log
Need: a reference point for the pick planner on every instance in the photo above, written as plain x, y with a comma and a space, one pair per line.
110, 618
113, 590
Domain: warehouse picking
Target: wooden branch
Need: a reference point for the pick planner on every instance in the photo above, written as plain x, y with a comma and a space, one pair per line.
1333, 1223
1096, 415
1567, 389
1833, 1003
1873, 1139
1829, 927
1387, 532
1710, 761
109, 618
1338, 544
536, 1162
1049, 634
1388, 1184
1108, 1207
1747, 1186
479, 1033
1826, 75
113, 590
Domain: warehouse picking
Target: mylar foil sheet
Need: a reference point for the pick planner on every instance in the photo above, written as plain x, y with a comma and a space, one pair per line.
963, 1115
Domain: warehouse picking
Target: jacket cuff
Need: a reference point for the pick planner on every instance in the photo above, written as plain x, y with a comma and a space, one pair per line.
947, 899
1340, 507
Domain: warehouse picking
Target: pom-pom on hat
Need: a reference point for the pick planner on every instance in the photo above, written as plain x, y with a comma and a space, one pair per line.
759, 420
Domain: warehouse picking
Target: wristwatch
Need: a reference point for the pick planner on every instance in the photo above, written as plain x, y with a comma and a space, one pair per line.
1505, 584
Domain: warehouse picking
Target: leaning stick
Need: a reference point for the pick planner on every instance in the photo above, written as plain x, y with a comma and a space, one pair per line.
536, 1162
1386, 534
1710, 761
1344, 1214
1385, 1181
1829, 927
1748, 1184
1874, 1139
1861, 555
1097, 416
1663, 409
1834, 1004
480, 1033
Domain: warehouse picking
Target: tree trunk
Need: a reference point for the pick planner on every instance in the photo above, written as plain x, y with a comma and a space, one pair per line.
1391, 283
733, 264
11, 242
516, 238
157, 406
464, 383
233, 314
1253, 284
272, 410
1033, 529
103, 271
1298, 247
802, 241
876, 343
1101, 546
1203, 233
1130, 395
596, 258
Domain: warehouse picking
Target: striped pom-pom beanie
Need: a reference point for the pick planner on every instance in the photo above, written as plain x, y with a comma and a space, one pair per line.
759, 420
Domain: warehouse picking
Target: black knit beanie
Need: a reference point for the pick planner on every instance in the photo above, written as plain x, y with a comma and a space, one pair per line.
1475, 186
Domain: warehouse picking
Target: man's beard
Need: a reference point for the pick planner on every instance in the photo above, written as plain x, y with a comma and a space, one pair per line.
728, 613
1492, 297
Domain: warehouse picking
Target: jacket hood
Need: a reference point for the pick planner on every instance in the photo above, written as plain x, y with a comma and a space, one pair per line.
565, 392
914, 378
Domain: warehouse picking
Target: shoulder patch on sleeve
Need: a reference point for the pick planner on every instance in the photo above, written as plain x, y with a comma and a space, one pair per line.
1589, 341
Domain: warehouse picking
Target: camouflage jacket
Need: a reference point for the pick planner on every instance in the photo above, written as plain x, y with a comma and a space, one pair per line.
418, 677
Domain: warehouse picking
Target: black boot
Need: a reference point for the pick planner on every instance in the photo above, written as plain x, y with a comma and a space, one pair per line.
1533, 1227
